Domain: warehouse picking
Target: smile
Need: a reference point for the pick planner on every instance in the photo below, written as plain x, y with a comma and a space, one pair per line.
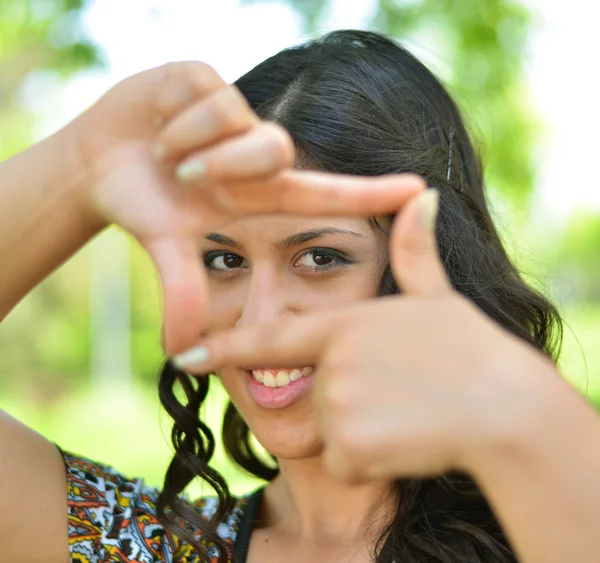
280, 377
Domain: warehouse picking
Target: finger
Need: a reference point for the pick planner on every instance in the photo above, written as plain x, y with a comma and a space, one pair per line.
300, 341
182, 84
221, 114
306, 192
414, 255
264, 150
337, 194
185, 290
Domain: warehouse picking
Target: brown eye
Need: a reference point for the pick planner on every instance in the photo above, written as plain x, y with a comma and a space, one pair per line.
321, 260
223, 261
233, 260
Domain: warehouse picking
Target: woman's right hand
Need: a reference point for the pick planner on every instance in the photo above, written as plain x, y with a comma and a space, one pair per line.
173, 152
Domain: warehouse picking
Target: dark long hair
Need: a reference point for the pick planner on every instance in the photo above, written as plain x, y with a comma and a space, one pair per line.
357, 103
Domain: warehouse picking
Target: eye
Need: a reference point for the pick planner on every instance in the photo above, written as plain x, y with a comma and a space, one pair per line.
223, 261
322, 259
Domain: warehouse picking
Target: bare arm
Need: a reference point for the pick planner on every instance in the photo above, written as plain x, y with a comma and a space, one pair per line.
43, 217
33, 515
43, 221
545, 485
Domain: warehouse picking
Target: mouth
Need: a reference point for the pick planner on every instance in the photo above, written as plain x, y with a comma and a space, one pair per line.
280, 377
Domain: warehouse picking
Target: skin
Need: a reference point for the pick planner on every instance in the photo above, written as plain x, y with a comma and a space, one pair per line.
423, 383
124, 162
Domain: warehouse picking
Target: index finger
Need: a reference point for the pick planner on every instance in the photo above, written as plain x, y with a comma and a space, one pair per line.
286, 343
184, 288
335, 194
181, 84
307, 192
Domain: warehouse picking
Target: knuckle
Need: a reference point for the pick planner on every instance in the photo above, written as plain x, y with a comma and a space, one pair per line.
280, 144
183, 81
200, 76
337, 360
338, 396
167, 71
341, 394
220, 197
230, 112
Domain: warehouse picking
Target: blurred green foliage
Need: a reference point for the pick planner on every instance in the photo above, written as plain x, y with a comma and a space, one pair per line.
576, 261
36, 36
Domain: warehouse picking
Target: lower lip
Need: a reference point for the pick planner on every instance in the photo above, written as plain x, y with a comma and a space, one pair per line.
278, 397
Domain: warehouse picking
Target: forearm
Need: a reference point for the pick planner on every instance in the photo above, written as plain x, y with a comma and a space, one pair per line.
547, 493
43, 214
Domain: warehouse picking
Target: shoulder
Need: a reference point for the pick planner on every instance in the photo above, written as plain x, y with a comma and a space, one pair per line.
113, 518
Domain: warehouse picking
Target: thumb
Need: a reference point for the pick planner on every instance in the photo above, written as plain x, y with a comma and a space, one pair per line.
414, 255
185, 290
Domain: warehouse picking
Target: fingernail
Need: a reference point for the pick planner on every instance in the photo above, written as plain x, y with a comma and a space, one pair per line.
192, 357
191, 170
428, 208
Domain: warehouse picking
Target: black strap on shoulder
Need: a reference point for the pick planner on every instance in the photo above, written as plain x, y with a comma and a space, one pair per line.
242, 540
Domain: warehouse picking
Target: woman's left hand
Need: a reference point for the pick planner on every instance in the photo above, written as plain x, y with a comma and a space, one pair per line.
414, 384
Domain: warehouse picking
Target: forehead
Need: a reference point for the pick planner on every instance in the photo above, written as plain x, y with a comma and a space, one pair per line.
276, 227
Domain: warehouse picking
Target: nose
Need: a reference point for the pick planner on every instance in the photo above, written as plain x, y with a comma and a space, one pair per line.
266, 300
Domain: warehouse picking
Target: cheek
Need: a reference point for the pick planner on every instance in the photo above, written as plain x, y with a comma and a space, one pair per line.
295, 294
226, 302
353, 285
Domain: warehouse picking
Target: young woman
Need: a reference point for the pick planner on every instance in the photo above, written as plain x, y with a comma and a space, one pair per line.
385, 419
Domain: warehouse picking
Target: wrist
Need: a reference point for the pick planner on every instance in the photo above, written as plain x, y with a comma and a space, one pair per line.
541, 479
46, 213
550, 416
524, 404
78, 169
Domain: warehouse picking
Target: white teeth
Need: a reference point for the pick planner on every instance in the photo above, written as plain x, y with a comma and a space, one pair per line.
282, 378
269, 379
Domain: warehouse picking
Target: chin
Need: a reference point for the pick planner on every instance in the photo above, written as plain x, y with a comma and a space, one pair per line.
292, 450
286, 437
286, 433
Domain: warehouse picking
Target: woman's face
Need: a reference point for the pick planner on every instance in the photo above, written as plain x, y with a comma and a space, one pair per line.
264, 268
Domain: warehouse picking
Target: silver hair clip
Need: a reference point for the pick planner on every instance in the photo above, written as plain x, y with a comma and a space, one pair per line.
450, 142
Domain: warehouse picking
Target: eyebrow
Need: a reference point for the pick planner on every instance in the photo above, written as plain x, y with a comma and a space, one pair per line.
293, 240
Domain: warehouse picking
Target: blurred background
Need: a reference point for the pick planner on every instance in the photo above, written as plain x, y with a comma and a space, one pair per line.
79, 356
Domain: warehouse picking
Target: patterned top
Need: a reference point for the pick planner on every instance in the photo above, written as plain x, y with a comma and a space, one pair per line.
112, 519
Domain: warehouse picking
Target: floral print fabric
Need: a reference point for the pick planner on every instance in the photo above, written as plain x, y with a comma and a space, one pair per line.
112, 519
